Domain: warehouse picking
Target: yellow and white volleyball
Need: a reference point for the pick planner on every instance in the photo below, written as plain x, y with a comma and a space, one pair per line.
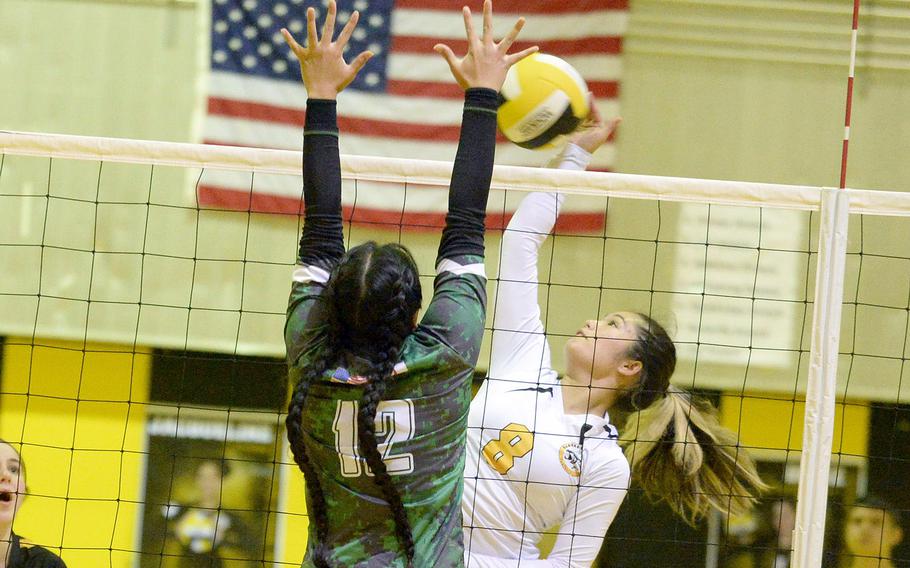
543, 97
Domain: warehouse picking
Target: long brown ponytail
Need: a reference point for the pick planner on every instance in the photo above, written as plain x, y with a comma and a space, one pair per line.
677, 448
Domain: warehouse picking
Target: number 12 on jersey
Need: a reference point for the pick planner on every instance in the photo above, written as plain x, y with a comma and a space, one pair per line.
394, 424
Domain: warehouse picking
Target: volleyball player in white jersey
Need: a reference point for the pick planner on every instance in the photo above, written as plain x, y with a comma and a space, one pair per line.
542, 452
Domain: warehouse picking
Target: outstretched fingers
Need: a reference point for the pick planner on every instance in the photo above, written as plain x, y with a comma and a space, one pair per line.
348, 30
596, 120
292, 43
322, 63
613, 125
594, 132
354, 68
311, 36
328, 27
516, 57
469, 27
454, 63
357, 64
487, 21
509, 39
486, 62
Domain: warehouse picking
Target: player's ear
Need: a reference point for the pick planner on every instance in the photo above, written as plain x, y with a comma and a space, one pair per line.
630, 367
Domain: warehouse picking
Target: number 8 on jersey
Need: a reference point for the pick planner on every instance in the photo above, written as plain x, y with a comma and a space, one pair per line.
515, 441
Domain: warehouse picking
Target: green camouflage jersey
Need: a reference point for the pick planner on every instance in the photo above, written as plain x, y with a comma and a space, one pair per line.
421, 423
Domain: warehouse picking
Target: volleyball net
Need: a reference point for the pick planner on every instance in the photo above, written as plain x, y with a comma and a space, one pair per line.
142, 306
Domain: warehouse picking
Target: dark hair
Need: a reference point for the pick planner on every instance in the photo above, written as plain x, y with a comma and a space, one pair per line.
372, 297
657, 354
677, 448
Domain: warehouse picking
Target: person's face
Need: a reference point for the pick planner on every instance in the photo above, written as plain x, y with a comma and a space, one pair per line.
12, 484
871, 532
599, 352
208, 481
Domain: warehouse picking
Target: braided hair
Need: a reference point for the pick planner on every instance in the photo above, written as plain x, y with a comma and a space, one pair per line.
373, 296
317, 505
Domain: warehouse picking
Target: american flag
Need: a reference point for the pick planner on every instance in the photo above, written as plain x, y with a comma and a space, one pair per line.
403, 104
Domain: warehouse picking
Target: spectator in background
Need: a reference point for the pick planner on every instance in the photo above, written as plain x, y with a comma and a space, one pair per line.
764, 540
16, 552
205, 533
872, 530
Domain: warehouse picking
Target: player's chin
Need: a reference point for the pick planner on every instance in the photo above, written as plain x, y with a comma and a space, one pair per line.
579, 337
578, 351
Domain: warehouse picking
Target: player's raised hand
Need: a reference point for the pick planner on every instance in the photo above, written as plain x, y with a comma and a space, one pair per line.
487, 62
594, 131
322, 65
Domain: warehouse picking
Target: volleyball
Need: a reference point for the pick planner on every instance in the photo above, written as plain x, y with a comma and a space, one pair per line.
543, 97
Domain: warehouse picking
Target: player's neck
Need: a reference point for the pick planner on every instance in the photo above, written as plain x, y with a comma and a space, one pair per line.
577, 399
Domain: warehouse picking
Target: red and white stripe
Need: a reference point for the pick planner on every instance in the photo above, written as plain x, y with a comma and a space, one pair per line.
849, 105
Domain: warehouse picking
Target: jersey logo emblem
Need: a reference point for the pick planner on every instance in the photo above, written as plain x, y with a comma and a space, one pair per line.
341, 375
570, 458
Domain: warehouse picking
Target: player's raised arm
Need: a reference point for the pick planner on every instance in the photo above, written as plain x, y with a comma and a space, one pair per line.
325, 73
481, 73
460, 292
519, 344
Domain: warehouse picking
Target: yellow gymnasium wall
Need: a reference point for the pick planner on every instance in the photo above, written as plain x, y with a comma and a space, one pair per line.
79, 413
293, 523
772, 426
292, 538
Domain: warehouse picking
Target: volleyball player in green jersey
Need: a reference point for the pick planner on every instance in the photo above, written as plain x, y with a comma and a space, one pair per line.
377, 419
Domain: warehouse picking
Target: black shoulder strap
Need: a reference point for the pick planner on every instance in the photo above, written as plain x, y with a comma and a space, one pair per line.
16, 558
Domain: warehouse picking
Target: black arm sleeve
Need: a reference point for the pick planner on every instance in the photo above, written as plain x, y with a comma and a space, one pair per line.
322, 238
471, 175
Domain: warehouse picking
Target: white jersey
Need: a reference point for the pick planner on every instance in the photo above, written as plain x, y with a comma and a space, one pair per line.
531, 467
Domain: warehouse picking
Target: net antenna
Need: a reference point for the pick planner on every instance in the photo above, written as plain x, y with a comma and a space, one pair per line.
818, 433
851, 73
